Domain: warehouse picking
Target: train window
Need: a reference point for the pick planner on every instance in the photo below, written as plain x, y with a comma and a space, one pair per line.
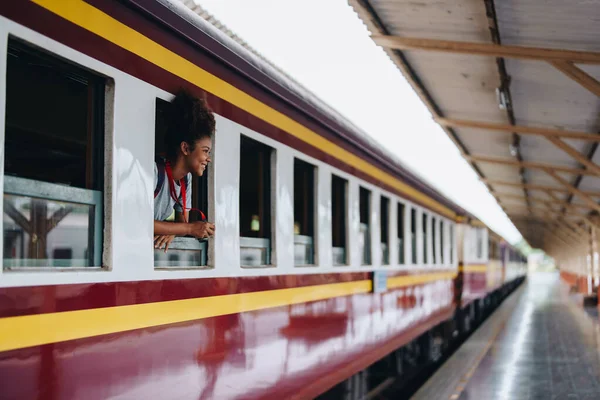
433, 240
304, 212
451, 243
365, 232
54, 161
255, 202
479, 243
413, 234
196, 250
400, 222
442, 244
339, 208
384, 224
425, 232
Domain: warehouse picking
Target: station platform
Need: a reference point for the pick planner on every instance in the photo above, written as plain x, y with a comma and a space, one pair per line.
537, 345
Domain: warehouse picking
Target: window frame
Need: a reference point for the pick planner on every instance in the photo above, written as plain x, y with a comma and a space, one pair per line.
367, 254
401, 228
271, 179
311, 240
100, 144
383, 198
426, 240
200, 201
416, 237
345, 214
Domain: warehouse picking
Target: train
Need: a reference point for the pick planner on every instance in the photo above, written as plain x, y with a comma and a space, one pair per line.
334, 267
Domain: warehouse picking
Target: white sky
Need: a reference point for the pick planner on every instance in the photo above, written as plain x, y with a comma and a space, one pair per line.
326, 47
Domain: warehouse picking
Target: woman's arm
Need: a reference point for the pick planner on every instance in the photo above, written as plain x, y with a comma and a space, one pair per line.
197, 229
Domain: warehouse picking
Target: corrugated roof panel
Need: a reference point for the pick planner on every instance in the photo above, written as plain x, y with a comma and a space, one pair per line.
543, 96
590, 183
539, 177
439, 19
509, 173
463, 87
539, 149
573, 24
488, 143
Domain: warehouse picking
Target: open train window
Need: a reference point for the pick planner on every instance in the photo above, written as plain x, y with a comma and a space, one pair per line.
191, 252
413, 235
451, 243
304, 212
365, 225
256, 161
400, 232
339, 208
433, 240
54, 161
479, 242
384, 224
442, 242
425, 233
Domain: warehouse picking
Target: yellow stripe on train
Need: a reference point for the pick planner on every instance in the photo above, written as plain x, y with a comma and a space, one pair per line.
474, 268
39, 329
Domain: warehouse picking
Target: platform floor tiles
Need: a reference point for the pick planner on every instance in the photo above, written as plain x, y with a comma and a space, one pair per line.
538, 344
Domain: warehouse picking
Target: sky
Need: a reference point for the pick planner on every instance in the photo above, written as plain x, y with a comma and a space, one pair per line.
325, 46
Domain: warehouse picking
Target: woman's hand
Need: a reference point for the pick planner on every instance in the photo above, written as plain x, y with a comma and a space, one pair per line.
201, 230
163, 240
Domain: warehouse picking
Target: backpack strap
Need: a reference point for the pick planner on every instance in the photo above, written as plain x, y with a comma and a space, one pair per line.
160, 166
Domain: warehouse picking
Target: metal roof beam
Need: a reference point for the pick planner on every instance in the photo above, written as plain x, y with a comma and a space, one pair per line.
486, 49
590, 165
568, 213
579, 76
559, 202
584, 195
540, 187
528, 130
528, 164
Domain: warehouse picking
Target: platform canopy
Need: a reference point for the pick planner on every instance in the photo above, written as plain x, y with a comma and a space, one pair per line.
515, 84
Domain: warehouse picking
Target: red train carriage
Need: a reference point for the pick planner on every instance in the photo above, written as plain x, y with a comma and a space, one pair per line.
333, 267
489, 268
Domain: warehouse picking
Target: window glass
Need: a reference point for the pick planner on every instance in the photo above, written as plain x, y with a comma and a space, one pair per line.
255, 202
433, 240
304, 212
442, 243
384, 223
425, 237
451, 243
365, 228
400, 218
479, 241
54, 161
413, 234
339, 208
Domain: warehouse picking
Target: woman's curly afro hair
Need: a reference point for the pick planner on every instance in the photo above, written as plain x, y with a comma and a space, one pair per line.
189, 119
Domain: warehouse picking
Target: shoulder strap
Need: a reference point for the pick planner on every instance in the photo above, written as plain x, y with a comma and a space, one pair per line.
160, 166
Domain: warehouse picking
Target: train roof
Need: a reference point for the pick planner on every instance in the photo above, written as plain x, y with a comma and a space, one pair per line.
235, 53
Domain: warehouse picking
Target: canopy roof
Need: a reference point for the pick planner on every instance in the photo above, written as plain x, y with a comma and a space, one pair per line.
515, 85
